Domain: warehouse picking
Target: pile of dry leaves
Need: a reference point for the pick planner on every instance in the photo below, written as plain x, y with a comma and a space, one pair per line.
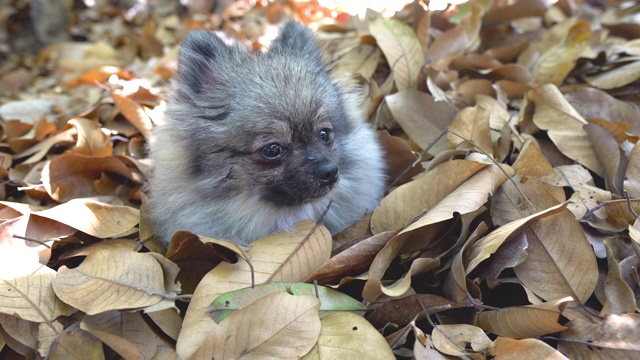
514, 234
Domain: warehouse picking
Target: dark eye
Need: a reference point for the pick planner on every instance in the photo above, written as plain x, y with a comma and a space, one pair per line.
326, 135
272, 151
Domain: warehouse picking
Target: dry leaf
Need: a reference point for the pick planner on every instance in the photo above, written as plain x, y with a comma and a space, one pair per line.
525, 321
555, 268
617, 77
631, 183
282, 256
345, 336
127, 333
610, 157
466, 198
596, 104
619, 298
75, 343
71, 176
398, 209
407, 309
564, 125
469, 130
289, 327
27, 293
460, 340
614, 337
410, 109
400, 46
511, 349
353, 261
134, 112
94, 218
485, 247
91, 140
131, 280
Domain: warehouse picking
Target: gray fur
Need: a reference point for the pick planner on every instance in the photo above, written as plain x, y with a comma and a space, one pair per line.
224, 106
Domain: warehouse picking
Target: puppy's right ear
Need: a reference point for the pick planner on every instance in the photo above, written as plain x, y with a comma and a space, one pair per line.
199, 51
295, 38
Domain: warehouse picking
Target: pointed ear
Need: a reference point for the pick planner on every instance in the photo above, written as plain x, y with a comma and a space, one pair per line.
199, 51
295, 38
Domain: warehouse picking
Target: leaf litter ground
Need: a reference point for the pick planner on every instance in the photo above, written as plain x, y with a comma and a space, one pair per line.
510, 227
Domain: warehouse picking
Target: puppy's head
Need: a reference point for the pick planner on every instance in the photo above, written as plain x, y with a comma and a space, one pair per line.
265, 124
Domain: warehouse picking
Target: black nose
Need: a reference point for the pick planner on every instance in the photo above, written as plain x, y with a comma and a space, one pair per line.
326, 172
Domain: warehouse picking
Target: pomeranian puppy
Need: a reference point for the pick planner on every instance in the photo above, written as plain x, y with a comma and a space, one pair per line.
254, 142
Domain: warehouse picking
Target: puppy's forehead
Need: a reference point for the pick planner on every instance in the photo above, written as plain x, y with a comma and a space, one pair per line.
270, 128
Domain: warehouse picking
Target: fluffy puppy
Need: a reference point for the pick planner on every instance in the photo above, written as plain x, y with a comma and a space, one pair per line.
254, 142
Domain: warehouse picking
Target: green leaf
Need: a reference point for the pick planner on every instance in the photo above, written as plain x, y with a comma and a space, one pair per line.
330, 300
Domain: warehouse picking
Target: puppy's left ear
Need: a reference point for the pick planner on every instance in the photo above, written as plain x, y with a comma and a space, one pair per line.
295, 38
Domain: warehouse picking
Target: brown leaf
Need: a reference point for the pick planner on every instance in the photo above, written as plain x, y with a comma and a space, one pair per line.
606, 148
134, 113
131, 281
614, 337
466, 91
98, 219
470, 130
593, 103
289, 333
150, 46
524, 321
72, 176
399, 157
503, 14
617, 77
28, 292
344, 335
460, 340
278, 257
91, 140
528, 195
125, 332
75, 343
466, 198
400, 46
40, 149
564, 125
455, 286
404, 310
631, 182
353, 261
100, 75
483, 248
555, 268
197, 255
401, 206
409, 109
619, 298
511, 349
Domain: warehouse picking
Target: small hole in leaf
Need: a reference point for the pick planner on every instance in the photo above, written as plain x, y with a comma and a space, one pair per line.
355, 328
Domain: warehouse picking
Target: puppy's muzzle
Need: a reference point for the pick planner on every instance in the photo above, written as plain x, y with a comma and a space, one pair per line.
326, 172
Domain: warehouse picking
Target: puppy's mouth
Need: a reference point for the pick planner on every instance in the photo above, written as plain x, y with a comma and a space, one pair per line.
297, 196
